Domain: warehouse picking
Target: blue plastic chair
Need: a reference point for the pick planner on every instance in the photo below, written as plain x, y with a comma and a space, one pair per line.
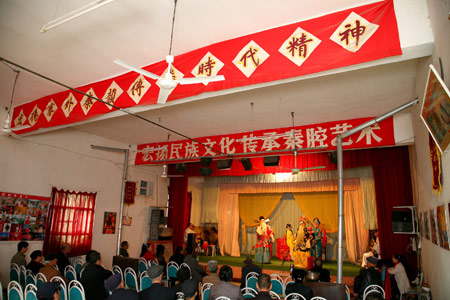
277, 284
40, 279
145, 281
142, 266
130, 279
30, 278
14, 274
30, 292
76, 290
70, 273
15, 291
251, 282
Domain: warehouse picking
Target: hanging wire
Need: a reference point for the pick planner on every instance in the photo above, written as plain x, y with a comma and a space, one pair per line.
173, 25
14, 89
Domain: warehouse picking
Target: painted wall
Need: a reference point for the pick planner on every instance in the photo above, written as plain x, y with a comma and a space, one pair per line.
435, 260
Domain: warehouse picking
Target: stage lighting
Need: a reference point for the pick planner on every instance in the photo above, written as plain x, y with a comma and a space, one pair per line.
224, 164
246, 163
271, 161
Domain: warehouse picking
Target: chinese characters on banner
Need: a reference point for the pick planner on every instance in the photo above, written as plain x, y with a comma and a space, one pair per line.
23, 217
271, 141
344, 38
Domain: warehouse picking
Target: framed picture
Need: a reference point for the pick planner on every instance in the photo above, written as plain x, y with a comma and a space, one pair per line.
126, 221
436, 110
109, 223
426, 225
442, 227
433, 226
421, 229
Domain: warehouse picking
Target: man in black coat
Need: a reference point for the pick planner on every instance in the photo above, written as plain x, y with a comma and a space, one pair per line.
264, 285
63, 260
249, 267
324, 273
367, 276
157, 290
298, 287
93, 278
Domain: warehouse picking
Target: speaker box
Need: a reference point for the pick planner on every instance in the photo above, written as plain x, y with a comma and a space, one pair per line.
224, 164
206, 161
206, 171
271, 161
246, 163
402, 221
181, 168
191, 241
333, 157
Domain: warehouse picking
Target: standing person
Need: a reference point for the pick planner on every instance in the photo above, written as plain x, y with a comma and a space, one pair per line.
94, 276
398, 270
264, 236
213, 277
263, 285
316, 250
249, 267
115, 285
123, 249
157, 290
36, 261
302, 245
298, 287
366, 277
197, 271
190, 229
19, 257
225, 287
63, 260
290, 240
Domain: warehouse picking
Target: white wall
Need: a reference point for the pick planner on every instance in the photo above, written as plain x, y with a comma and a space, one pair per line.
435, 260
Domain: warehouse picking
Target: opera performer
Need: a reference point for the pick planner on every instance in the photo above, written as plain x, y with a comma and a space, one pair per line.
290, 240
302, 245
264, 239
316, 250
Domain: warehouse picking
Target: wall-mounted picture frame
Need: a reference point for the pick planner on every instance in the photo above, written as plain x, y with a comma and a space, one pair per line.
109, 223
435, 111
126, 221
433, 226
442, 227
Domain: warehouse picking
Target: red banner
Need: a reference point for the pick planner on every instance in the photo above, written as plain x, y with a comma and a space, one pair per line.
332, 41
275, 141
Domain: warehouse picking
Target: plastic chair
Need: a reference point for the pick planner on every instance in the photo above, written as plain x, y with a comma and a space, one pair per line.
131, 279
152, 263
373, 288
172, 269
22, 276
347, 293
222, 298
78, 266
187, 266
318, 298
274, 295
76, 290
180, 296
142, 266
277, 284
144, 281
295, 296
15, 291
40, 279
30, 292
62, 285
206, 289
14, 273
70, 273
117, 270
251, 279
30, 278
249, 292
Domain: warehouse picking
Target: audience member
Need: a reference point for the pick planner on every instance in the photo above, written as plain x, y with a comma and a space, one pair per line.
160, 256
190, 289
213, 277
157, 290
197, 271
263, 285
115, 285
298, 275
123, 249
87, 258
147, 252
225, 287
93, 278
369, 253
19, 257
400, 275
49, 269
178, 256
324, 273
36, 261
190, 229
366, 277
48, 291
249, 267
63, 260
183, 274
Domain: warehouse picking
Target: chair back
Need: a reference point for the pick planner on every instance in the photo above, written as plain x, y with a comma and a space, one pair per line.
172, 269
373, 288
14, 273
152, 262
22, 275
30, 278
222, 298
347, 293
143, 265
75, 293
277, 284
206, 288
40, 279
251, 279
144, 282
274, 295
318, 298
131, 279
30, 292
187, 266
295, 296
14, 291
249, 292
180, 296
78, 266
62, 285
70, 273
76, 283
117, 270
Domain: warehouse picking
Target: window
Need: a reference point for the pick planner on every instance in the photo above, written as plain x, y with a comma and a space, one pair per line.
146, 188
71, 217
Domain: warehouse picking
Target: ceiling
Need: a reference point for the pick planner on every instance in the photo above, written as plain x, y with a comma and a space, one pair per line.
82, 51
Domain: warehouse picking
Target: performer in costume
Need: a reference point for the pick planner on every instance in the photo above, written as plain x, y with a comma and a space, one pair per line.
316, 250
264, 239
302, 245
290, 240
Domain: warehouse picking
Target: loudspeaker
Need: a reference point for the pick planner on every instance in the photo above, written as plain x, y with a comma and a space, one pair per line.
224, 164
333, 157
191, 241
206, 161
206, 171
246, 163
181, 168
402, 221
271, 161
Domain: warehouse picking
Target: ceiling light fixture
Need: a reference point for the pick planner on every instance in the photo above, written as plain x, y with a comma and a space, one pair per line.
73, 14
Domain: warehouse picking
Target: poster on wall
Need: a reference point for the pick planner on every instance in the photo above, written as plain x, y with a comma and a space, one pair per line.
442, 227
109, 223
426, 226
421, 229
22, 217
433, 226
436, 109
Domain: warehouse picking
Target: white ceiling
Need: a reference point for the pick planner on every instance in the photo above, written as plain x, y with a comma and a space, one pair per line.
82, 51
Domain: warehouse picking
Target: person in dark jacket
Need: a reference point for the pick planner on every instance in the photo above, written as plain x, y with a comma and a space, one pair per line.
123, 249
367, 276
324, 273
157, 290
183, 274
249, 267
298, 287
264, 285
63, 260
93, 278
178, 256
197, 271
115, 285
36, 261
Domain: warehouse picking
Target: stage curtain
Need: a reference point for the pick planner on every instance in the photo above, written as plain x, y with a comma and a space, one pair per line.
179, 208
229, 224
252, 206
322, 205
357, 237
71, 218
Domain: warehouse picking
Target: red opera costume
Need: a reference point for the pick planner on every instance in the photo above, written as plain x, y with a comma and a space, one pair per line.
264, 239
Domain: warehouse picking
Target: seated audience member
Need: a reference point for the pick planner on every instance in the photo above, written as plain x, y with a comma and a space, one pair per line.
147, 252
178, 256
123, 249
249, 267
93, 278
324, 273
367, 276
197, 271
369, 253
263, 285
398, 270
49, 270
36, 261
115, 285
298, 287
183, 274
190, 289
160, 257
63, 260
225, 287
213, 277
86, 260
157, 290
19, 257
48, 291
